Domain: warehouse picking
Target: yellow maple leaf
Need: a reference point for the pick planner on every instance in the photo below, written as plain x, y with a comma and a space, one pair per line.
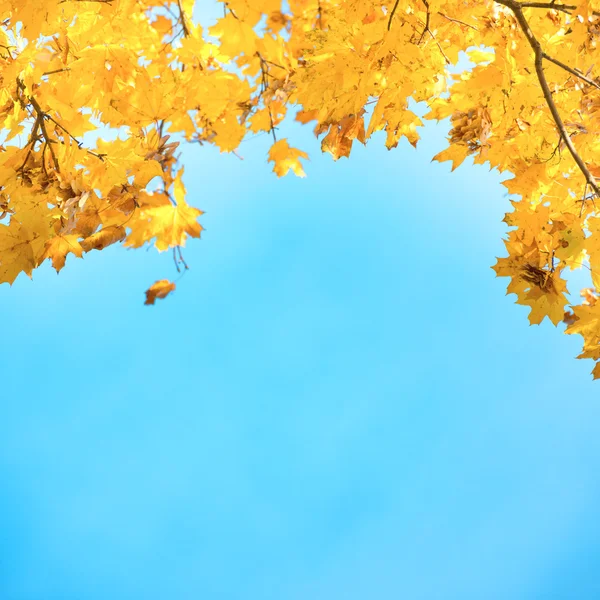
58, 247
103, 238
16, 252
234, 35
286, 159
456, 153
168, 225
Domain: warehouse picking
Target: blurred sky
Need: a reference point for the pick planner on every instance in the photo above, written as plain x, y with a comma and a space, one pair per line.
338, 401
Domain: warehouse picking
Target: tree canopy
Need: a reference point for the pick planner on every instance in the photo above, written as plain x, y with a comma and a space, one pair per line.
97, 95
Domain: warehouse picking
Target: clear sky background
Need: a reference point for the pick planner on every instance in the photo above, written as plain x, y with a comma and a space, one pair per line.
338, 402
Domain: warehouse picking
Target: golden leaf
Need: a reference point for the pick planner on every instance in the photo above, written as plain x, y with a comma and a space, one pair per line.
286, 159
103, 238
58, 247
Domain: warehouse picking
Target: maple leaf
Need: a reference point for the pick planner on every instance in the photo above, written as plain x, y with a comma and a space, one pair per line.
16, 252
286, 159
58, 247
457, 154
159, 289
103, 238
168, 225
234, 35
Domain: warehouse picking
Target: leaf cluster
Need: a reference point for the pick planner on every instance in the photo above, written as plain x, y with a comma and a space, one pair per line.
96, 95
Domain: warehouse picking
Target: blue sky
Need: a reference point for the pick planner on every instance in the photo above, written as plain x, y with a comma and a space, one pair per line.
339, 401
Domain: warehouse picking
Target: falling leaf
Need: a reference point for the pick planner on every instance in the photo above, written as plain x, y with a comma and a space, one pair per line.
159, 289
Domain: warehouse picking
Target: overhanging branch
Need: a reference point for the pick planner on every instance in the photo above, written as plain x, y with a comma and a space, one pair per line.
517, 9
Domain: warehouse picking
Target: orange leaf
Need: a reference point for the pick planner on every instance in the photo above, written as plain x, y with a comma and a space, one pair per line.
159, 289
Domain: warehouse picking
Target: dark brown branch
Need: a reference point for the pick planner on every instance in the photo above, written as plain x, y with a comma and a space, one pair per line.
48, 142
78, 142
40, 122
427, 17
226, 5
33, 138
548, 5
56, 71
392, 14
426, 29
517, 9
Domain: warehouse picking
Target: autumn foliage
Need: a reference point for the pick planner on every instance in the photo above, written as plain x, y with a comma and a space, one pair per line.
96, 96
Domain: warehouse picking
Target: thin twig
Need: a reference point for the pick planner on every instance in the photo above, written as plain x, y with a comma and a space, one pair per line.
570, 70
55, 71
265, 72
175, 260
427, 17
41, 116
457, 21
181, 259
428, 30
78, 142
33, 138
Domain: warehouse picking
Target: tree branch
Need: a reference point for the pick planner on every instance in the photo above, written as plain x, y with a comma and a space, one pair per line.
41, 124
552, 5
392, 14
570, 70
264, 68
453, 20
548, 5
427, 17
186, 31
517, 9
